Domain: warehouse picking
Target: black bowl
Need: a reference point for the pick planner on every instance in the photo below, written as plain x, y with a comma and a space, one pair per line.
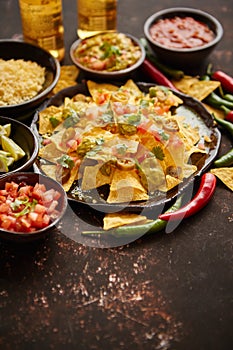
107, 75
184, 57
31, 178
15, 49
22, 135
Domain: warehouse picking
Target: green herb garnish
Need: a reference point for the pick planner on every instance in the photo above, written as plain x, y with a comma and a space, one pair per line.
66, 161
158, 152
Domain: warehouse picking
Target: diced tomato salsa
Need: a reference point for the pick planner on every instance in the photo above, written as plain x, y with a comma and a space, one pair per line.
27, 208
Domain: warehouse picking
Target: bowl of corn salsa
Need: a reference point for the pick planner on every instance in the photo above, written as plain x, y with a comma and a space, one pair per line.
182, 37
107, 55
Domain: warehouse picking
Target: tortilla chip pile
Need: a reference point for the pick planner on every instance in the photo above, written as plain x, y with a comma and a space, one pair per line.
122, 138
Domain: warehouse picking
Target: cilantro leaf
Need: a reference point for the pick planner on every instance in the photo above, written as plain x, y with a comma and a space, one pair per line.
109, 50
66, 161
158, 152
54, 121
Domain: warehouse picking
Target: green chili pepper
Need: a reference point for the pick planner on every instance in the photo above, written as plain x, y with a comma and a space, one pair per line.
216, 101
171, 72
136, 230
225, 124
228, 97
228, 114
225, 160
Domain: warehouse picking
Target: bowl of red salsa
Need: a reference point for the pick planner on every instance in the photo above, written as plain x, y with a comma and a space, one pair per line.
182, 37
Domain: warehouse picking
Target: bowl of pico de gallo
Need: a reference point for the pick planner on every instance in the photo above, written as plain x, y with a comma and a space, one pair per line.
182, 37
31, 204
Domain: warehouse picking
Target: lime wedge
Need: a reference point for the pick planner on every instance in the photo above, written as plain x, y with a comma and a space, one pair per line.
9, 145
4, 153
10, 161
3, 164
7, 128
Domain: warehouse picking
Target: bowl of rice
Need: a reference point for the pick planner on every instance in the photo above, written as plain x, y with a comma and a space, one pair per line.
28, 74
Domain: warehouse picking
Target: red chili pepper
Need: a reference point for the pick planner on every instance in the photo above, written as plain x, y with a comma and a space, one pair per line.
202, 197
225, 80
156, 76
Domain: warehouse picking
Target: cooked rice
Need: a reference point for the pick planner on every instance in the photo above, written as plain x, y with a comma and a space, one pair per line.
20, 81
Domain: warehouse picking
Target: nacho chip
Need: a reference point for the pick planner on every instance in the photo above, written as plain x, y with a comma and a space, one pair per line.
217, 112
50, 152
196, 88
190, 135
225, 175
189, 170
130, 84
126, 187
45, 125
49, 170
171, 182
93, 178
73, 176
97, 89
112, 220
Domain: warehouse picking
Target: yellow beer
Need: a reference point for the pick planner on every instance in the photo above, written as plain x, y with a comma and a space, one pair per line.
42, 25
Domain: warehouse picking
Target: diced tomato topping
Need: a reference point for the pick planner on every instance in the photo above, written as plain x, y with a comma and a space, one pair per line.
72, 145
33, 216
52, 207
24, 222
25, 190
40, 209
48, 196
4, 207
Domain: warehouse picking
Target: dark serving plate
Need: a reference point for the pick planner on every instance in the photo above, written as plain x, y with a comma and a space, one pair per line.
195, 114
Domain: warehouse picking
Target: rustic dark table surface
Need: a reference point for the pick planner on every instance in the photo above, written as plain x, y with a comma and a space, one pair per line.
167, 291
